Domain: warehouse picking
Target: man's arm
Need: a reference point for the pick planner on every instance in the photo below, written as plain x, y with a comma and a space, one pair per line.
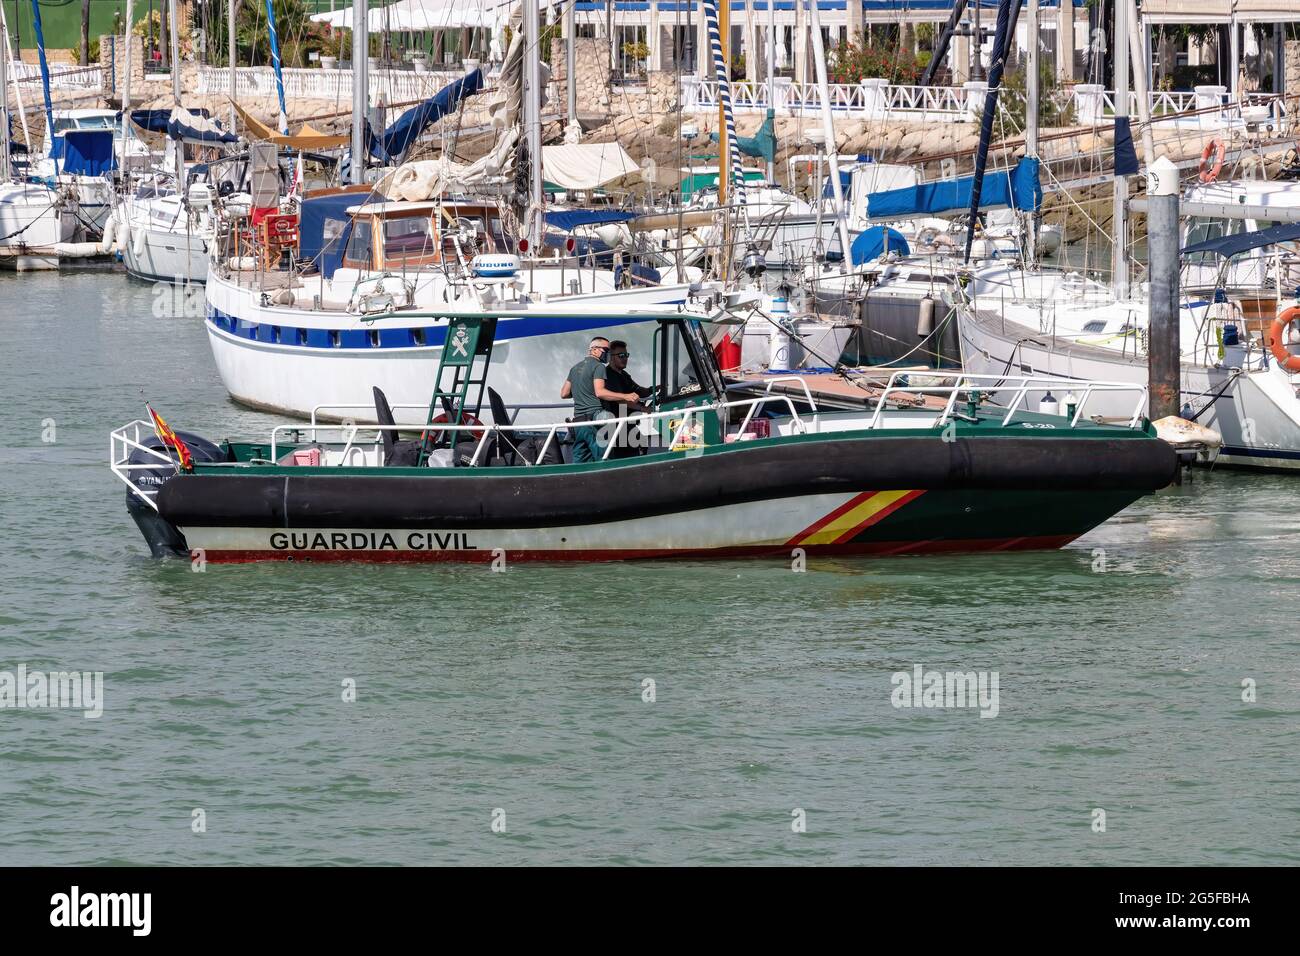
566, 390
605, 395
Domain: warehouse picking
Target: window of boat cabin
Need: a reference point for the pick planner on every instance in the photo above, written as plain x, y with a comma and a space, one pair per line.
357, 254
409, 239
686, 364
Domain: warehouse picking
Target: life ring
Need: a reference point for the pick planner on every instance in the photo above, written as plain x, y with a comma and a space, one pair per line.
466, 419
1275, 344
1216, 149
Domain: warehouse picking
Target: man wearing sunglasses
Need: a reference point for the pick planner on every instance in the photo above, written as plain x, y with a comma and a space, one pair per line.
617, 379
586, 386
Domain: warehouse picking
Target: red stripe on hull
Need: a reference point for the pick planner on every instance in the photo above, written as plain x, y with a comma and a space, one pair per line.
827, 519
1036, 543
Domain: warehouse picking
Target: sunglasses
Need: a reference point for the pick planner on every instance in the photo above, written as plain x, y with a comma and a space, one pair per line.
600, 348
622, 354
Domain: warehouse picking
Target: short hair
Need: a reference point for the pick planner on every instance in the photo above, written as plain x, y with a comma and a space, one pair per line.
617, 344
598, 338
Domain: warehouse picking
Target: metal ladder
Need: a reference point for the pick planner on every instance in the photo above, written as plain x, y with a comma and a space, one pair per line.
468, 339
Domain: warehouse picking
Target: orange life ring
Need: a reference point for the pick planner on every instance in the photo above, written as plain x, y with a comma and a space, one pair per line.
1216, 149
466, 419
1275, 344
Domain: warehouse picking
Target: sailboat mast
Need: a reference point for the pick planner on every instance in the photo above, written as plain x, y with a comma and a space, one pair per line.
1139, 57
724, 145
230, 48
1119, 255
175, 51
4, 115
1031, 116
360, 87
18, 87
771, 76
828, 127
570, 62
126, 88
533, 124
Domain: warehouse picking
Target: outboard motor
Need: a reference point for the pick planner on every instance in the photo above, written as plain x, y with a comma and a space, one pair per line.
163, 537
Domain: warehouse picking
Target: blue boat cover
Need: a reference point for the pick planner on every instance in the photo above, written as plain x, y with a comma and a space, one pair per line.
155, 121
1229, 246
870, 244
568, 219
88, 152
1126, 159
1018, 189
197, 129
391, 147
327, 254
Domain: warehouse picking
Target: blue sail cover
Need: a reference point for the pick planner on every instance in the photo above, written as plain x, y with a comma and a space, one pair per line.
1126, 160
1235, 245
1018, 189
197, 128
569, 219
402, 134
88, 152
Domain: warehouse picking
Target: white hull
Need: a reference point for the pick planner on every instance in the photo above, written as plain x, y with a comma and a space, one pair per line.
264, 362
31, 225
163, 256
1257, 412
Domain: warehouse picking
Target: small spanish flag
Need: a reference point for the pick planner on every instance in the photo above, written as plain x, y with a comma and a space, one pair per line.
170, 439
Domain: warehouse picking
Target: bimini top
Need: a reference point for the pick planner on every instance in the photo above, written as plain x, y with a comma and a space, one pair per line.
1229, 246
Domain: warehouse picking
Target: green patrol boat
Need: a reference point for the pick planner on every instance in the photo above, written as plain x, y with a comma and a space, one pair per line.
951, 463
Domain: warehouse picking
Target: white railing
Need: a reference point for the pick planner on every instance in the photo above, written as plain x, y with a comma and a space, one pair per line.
348, 430
1020, 387
122, 444
879, 99
89, 79
396, 86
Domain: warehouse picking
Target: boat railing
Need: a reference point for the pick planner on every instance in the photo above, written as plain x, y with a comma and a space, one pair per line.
1022, 386
126, 441
348, 430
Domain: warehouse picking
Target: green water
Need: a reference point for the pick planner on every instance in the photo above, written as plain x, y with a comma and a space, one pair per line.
522, 691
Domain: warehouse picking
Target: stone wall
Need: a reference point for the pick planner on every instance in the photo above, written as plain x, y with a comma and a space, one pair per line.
591, 68
112, 59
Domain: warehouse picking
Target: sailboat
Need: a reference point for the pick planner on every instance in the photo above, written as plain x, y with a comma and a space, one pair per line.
353, 292
35, 217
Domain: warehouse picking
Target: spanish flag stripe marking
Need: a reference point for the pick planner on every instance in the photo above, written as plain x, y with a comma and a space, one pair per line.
885, 511
849, 521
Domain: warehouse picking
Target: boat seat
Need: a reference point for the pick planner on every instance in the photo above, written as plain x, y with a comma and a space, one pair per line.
506, 445
398, 453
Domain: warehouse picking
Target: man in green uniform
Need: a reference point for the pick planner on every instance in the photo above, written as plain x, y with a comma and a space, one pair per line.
586, 386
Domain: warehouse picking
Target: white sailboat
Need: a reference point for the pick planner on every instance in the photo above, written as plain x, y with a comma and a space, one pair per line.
372, 271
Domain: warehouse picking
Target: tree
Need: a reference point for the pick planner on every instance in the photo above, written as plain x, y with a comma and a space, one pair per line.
164, 35
84, 59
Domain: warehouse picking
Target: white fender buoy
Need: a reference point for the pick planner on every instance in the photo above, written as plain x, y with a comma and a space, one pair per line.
137, 243
242, 263
76, 250
123, 237
110, 233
